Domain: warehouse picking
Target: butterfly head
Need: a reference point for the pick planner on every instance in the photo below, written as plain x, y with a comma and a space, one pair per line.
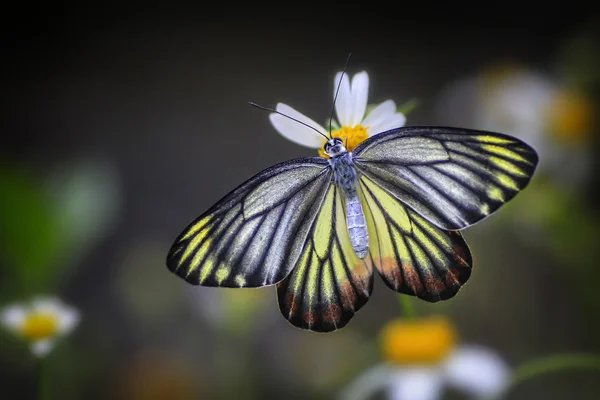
334, 147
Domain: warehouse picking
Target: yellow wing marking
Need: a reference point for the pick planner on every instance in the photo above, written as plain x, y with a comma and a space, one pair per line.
495, 193
389, 205
505, 152
507, 166
195, 228
192, 246
493, 139
506, 181
322, 233
199, 255
240, 281
206, 270
222, 273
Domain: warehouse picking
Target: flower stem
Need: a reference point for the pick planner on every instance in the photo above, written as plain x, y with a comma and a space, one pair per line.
555, 363
408, 106
406, 304
42, 394
532, 369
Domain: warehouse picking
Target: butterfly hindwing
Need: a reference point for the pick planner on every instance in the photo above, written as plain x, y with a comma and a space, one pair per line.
412, 255
329, 283
452, 177
252, 236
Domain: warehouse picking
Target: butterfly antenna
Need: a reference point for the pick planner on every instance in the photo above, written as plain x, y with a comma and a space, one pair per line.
337, 90
287, 116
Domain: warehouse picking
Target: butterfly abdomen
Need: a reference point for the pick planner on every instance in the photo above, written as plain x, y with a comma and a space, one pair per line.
344, 175
357, 226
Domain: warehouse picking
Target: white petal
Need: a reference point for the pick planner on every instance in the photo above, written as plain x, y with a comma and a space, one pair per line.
391, 122
476, 370
13, 316
344, 107
295, 131
67, 320
47, 305
371, 381
42, 347
416, 384
380, 113
360, 94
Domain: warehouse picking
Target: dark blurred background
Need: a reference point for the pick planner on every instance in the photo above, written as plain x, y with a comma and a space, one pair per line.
120, 125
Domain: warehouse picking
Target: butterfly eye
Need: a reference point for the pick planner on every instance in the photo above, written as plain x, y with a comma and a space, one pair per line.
337, 141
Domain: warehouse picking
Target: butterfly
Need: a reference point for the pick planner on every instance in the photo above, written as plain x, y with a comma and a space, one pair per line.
320, 229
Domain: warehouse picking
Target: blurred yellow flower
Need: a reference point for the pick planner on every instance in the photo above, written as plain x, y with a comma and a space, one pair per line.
40, 323
426, 341
353, 126
422, 357
571, 117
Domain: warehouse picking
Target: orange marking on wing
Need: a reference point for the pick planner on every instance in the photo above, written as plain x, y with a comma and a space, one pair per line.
361, 274
456, 276
310, 317
452, 276
412, 279
332, 313
434, 285
357, 284
459, 254
388, 266
290, 303
347, 296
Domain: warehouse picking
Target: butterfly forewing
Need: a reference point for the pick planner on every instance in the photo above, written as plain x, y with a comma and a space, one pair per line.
452, 177
252, 236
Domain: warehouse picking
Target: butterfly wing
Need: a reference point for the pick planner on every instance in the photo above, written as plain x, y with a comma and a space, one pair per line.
254, 235
452, 177
412, 255
329, 283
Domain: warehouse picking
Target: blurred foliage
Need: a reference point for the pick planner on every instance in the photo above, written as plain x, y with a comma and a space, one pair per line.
48, 224
32, 233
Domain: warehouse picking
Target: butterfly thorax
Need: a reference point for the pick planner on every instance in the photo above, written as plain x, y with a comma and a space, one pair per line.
344, 173
344, 176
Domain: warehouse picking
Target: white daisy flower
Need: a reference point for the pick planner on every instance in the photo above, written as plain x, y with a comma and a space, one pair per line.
350, 106
40, 323
422, 359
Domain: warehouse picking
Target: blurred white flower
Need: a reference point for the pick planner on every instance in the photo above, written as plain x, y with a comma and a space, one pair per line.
553, 119
423, 358
352, 125
40, 322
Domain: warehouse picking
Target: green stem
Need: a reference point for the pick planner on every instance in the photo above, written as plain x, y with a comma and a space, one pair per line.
555, 363
406, 304
408, 106
42, 393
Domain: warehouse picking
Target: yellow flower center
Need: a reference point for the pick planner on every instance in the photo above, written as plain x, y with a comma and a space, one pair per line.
351, 137
39, 326
423, 341
571, 117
